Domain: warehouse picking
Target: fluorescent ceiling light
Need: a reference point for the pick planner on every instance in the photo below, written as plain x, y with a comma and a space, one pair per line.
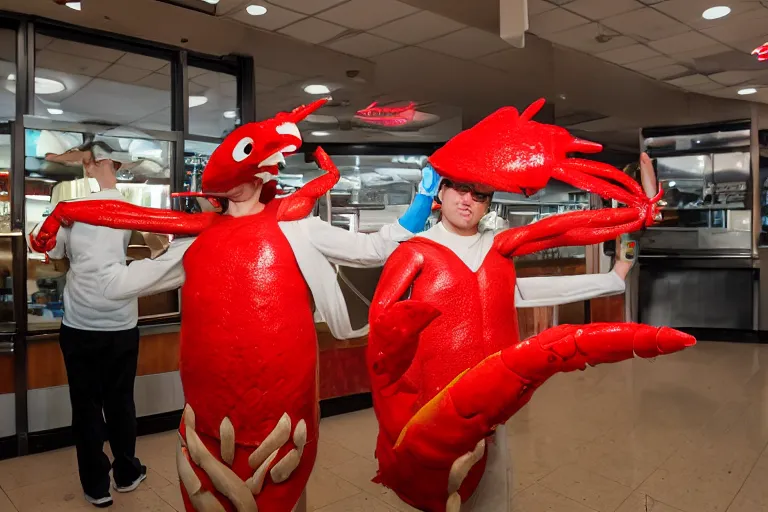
317, 89
748, 90
230, 114
55, 111
256, 10
42, 85
320, 134
714, 13
74, 5
196, 101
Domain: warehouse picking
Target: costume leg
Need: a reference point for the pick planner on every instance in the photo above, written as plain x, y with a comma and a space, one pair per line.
82, 352
119, 407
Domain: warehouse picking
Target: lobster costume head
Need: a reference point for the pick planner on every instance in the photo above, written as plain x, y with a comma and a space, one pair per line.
256, 150
509, 152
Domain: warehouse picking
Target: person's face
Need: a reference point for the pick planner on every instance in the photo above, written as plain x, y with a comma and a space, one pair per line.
463, 204
96, 169
245, 192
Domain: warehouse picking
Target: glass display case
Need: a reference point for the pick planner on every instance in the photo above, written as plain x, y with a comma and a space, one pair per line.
706, 206
144, 179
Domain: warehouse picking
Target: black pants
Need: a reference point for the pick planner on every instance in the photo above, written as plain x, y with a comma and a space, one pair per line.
101, 369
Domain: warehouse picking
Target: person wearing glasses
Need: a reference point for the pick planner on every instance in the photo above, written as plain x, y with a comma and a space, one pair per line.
463, 207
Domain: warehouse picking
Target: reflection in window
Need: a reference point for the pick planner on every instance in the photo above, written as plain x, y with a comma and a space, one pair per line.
85, 83
212, 102
7, 75
143, 179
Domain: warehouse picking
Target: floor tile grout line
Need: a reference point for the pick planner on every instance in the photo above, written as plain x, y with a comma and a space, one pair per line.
9, 499
568, 498
757, 460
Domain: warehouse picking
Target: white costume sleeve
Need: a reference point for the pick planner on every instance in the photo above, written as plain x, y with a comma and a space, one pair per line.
316, 244
532, 292
148, 277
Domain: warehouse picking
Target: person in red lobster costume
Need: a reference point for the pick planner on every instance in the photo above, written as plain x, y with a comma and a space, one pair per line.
248, 353
447, 367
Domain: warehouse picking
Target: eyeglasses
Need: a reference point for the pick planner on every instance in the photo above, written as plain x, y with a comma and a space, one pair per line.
464, 188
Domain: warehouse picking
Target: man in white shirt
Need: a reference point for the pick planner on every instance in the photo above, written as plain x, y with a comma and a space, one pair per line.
99, 339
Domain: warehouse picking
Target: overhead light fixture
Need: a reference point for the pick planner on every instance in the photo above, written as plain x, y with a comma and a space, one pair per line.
196, 101
320, 134
230, 114
74, 5
212, 2
256, 10
717, 12
55, 111
748, 90
317, 89
42, 85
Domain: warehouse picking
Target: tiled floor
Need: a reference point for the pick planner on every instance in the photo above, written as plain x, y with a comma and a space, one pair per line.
682, 433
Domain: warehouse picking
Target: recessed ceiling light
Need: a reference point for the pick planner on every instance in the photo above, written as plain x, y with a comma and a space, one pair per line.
74, 5
256, 10
230, 114
748, 90
717, 12
320, 134
42, 85
196, 101
317, 89
55, 111
214, 2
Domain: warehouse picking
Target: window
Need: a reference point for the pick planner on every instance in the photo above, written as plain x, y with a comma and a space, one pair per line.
212, 102
7, 75
144, 179
85, 83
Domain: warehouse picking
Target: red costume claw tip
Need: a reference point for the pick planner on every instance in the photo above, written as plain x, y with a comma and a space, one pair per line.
670, 340
584, 146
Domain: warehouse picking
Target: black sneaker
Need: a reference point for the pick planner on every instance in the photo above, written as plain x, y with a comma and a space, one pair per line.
133, 485
101, 502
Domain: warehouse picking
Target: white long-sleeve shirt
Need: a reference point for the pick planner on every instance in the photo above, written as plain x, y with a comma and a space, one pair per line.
530, 291
97, 261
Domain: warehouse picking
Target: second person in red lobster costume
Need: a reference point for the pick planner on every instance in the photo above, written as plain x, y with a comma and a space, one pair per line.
446, 364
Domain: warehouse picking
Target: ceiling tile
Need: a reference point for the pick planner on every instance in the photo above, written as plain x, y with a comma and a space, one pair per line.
690, 11
469, 43
227, 6
124, 74
600, 9
689, 80
740, 27
554, 21
307, 6
646, 23
628, 54
748, 44
365, 14
701, 52
272, 78
363, 45
736, 77
582, 38
135, 60
275, 18
312, 30
682, 43
46, 59
707, 86
538, 6
652, 63
417, 28
156, 81
666, 71
85, 51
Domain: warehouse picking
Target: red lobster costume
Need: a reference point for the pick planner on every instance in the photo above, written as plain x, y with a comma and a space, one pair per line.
446, 363
248, 361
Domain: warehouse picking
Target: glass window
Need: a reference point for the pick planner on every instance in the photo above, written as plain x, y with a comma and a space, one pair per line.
85, 83
144, 179
7, 75
212, 102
